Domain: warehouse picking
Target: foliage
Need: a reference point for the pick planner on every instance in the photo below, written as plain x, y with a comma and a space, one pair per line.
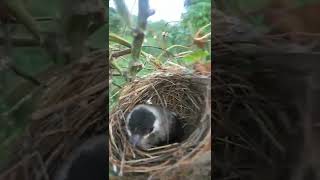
114, 21
178, 34
198, 14
196, 56
159, 49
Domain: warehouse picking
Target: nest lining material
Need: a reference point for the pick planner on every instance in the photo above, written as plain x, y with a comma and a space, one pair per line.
187, 95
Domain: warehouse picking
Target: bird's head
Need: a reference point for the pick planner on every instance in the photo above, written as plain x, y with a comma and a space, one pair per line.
141, 122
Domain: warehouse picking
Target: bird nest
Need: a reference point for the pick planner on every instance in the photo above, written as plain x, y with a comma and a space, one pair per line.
70, 110
186, 94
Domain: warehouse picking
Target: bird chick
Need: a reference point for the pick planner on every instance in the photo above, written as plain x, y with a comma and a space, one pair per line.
150, 125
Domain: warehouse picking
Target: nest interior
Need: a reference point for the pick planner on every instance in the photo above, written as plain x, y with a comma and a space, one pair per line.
186, 95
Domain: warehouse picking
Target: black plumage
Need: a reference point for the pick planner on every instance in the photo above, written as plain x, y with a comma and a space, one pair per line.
141, 121
151, 125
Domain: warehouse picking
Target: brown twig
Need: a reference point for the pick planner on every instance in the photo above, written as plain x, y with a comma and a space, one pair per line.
138, 34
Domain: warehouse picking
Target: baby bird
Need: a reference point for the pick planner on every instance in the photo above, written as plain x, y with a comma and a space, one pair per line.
150, 125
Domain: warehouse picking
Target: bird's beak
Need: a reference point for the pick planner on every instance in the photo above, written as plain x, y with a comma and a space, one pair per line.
135, 140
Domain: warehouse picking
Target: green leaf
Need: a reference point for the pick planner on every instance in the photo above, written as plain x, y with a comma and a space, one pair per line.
196, 56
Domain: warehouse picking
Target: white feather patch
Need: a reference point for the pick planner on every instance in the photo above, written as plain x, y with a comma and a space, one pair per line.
149, 101
156, 125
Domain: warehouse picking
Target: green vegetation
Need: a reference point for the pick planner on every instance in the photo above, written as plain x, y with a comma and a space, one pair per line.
198, 14
159, 49
31, 60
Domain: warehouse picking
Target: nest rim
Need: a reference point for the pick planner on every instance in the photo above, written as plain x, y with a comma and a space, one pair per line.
126, 159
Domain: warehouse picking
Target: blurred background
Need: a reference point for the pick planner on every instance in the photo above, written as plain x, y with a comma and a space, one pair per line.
36, 47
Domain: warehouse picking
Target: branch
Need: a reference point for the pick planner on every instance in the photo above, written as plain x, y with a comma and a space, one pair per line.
138, 35
20, 41
25, 75
21, 102
144, 13
6, 61
20, 12
119, 40
121, 53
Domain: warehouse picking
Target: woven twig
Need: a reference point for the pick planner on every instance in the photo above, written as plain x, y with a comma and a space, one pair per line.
182, 93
